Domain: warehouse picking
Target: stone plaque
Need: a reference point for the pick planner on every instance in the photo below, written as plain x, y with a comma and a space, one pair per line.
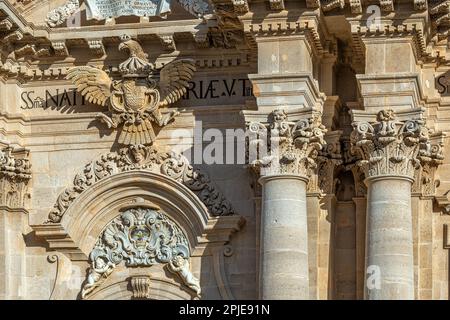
103, 9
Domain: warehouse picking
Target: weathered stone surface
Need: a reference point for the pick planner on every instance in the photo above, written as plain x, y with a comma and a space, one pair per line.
321, 125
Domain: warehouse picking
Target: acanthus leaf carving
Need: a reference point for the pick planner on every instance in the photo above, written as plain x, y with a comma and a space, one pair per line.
292, 148
15, 174
391, 147
140, 157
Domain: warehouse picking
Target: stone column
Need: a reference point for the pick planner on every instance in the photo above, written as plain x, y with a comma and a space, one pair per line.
390, 151
284, 171
284, 238
289, 107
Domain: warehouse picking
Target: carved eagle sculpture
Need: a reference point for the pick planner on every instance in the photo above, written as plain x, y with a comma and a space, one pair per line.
136, 99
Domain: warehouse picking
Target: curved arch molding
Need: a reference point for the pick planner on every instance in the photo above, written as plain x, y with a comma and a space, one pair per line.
129, 178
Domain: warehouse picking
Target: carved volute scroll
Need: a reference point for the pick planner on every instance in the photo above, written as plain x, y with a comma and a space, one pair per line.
141, 236
292, 147
391, 147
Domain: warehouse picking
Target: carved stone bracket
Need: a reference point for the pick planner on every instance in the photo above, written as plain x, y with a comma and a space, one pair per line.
15, 174
140, 237
387, 5
168, 42
140, 287
96, 46
276, 4
355, 6
291, 147
390, 147
333, 4
149, 159
240, 6
329, 158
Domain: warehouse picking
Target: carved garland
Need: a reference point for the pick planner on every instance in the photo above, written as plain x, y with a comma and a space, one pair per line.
139, 157
140, 237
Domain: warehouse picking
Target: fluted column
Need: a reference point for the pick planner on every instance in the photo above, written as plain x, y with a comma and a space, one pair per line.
284, 171
390, 151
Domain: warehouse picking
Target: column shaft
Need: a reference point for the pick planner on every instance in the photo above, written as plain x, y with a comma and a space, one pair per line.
284, 238
389, 251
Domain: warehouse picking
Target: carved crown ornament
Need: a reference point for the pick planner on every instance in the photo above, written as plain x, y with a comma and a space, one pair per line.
285, 147
141, 236
140, 157
391, 147
15, 174
136, 99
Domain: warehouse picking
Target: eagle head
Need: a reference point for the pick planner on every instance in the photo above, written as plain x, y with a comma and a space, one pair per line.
133, 48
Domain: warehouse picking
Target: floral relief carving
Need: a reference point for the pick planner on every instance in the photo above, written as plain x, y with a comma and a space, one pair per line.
293, 147
140, 237
139, 157
391, 147
59, 15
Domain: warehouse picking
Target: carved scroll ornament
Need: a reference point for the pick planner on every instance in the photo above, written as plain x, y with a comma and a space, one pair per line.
145, 158
391, 147
293, 147
140, 237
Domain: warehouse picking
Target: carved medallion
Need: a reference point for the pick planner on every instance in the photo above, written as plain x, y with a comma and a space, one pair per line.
140, 237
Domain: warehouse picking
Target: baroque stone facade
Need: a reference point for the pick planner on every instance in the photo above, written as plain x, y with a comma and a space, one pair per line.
224, 149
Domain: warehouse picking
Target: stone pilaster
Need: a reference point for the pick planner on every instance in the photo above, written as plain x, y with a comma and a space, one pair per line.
390, 150
14, 179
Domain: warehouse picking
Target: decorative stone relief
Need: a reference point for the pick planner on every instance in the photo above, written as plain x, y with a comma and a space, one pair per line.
140, 237
196, 7
390, 147
387, 5
240, 6
104, 9
333, 4
329, 158
59, 15
135, 101
355, 6
140, 287
420, 4
15, 173
141, 157
293, 147
276, 4
313, 4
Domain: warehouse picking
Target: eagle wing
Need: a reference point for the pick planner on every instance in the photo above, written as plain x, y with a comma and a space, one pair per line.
174, 79
92, 83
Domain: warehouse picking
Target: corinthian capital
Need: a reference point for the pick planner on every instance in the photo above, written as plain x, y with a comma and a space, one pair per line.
391, 147
282, 146
15, 173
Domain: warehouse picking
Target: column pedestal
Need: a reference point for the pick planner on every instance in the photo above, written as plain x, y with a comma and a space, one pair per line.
284, 238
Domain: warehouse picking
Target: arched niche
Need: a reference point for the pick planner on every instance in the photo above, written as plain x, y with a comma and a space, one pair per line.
86, 217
